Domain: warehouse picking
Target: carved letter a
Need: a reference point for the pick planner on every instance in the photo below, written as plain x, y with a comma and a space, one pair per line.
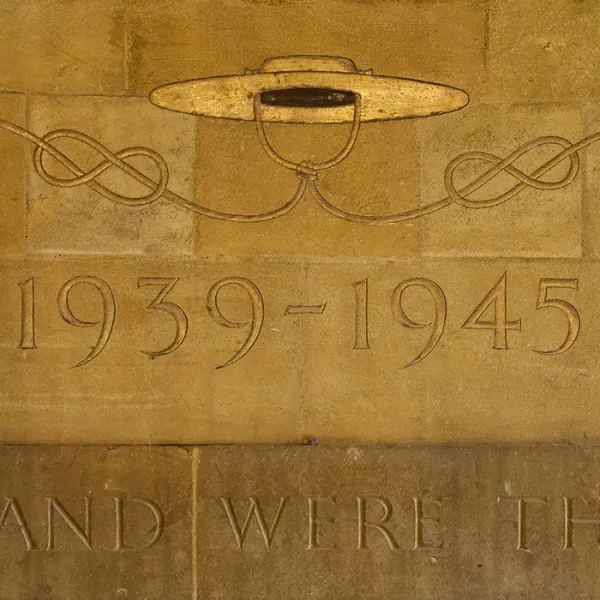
12, 504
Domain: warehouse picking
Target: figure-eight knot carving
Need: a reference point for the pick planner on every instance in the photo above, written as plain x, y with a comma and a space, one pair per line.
89, 177
534, 180
307, 173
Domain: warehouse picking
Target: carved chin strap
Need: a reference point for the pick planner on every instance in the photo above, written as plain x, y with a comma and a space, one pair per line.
307, 170
307, 173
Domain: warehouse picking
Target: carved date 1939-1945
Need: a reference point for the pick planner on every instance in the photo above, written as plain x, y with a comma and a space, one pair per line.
491, 313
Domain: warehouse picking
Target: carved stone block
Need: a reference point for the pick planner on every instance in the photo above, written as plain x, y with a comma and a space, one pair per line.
83, 521
359, 522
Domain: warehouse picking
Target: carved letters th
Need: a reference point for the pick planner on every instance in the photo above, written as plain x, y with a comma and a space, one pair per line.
562, 509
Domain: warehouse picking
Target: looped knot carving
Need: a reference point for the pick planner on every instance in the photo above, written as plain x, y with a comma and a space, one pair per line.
111, 160
506, 165
306, 171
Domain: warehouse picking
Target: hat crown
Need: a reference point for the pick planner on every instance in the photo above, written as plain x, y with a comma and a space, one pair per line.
333, 64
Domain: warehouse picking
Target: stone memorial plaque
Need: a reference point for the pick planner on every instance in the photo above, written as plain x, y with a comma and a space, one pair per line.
307, 223
82, 522
253, 222
356, 522
249, 221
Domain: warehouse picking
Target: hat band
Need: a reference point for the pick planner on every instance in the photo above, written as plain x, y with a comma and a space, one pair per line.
307, 169
307, 97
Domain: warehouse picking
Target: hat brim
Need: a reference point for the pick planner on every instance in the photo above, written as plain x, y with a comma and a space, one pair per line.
382, 97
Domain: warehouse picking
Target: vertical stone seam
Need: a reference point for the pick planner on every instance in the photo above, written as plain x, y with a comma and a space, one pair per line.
486, 40
194, 244
195, 463
421, 239
126, 52
587, 249
27, 178
303, 362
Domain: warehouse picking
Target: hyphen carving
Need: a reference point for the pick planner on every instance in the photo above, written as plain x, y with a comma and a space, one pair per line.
490, 314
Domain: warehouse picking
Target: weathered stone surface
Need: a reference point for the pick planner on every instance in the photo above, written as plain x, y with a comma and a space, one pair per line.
375, 522
13, 208
543, 50
465, 388
442, 41
97, 225
317, 348
63, 47
136, 542
364, 183
108, 330
133, 310
269, 522
525, 225
124, 393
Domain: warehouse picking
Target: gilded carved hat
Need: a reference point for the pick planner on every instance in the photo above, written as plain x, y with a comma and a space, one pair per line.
309, 89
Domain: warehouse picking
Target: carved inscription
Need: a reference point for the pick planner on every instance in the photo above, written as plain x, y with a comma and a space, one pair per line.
570, 521
533, 511
12, 507
314, 541
254, 512
166, 284
27, 315
255, 323
495, 302
491, 314
379, 519
379, 525
305, 309
108, 312
361, 321
12, 514
409, 523
375, 517
569, 311
522, 512
437, 323
81, 533
421, 520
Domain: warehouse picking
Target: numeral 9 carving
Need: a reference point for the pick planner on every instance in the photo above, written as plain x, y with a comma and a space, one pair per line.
108, 313
437, 323
254, 324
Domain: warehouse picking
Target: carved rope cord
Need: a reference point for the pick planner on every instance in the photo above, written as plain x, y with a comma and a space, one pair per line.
307, 173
